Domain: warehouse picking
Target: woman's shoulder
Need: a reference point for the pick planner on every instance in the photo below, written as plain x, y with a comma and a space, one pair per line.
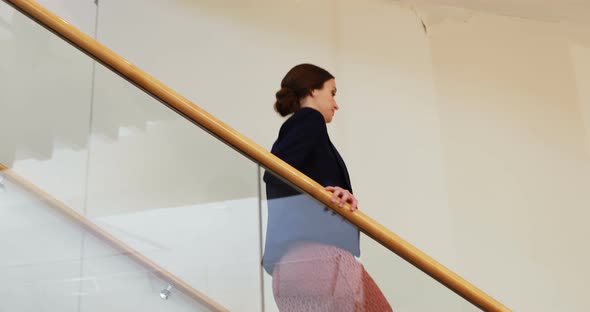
306, 118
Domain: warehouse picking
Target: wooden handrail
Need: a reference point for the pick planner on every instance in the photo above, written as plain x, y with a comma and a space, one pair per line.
255, 152
125, 249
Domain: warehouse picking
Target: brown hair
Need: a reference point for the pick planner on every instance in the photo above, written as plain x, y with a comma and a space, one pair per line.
297, 84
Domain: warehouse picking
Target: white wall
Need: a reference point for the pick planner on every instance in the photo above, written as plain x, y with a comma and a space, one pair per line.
470, 140
581, 65
514, 146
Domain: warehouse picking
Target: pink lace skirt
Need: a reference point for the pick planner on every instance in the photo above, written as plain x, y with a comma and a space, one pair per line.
317, 277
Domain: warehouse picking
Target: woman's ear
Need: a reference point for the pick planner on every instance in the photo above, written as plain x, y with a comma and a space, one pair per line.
313, 92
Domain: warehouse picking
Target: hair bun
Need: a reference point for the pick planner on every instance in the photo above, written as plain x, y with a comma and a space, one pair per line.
287, 101
285, 93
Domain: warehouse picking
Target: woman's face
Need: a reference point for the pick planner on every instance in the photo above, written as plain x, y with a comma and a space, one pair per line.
324, 100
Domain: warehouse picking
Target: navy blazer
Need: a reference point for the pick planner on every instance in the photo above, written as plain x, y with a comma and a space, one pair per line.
293, 217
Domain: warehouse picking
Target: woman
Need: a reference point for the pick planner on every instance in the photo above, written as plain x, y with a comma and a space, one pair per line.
309, 251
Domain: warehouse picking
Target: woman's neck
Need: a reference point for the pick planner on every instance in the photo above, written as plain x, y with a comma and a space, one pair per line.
307, 102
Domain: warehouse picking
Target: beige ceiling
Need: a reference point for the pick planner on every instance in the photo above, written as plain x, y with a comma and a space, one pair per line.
577, 11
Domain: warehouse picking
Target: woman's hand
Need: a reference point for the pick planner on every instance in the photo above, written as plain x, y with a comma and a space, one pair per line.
341, 196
